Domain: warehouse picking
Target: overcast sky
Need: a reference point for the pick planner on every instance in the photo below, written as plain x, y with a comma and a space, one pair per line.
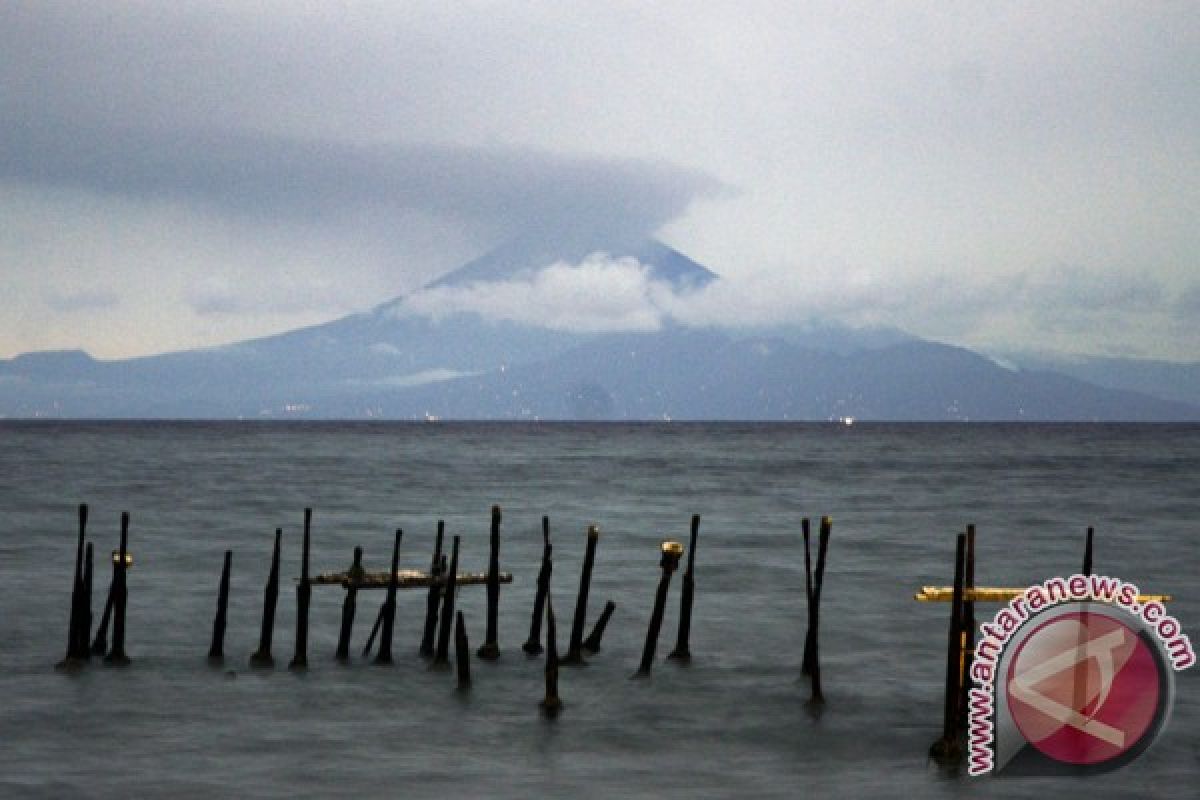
1001, 175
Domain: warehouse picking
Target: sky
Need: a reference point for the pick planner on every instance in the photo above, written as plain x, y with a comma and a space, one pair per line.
1006, 176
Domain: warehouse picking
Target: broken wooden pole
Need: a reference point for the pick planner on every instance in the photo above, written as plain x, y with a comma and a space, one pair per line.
441, 657
1087, 553
490, 650
303, 598
533, 645
682, 651
462, 653
947, 749
83, 645
433, 598
384, 654
74, 653
551, 704
216, 650
574, 657
348, 606
116, 654
262, 656
671, 551
592, 642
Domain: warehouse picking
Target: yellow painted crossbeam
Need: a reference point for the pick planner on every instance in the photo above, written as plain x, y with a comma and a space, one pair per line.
990, 594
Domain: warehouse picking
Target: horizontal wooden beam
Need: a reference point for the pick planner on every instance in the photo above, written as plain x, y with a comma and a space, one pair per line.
405, 579
982, 594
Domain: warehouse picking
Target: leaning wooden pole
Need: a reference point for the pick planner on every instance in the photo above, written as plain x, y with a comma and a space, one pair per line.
442, 657
490, 650
74, 622
818, 696
216, 650
682, 651
262, 656
384, 655
303, 598
810, 605
116, 653
671, 551
551, 704
434, 596
574, 655
100, 643
349, 604
533, 645
947, 749
592, 642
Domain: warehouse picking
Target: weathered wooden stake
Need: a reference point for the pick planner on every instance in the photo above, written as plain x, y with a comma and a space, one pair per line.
552, 704
303, 598
967, 635
1087, 553
490, 650
83, 645
574, 657
262, 656
462, 653
116, 654
533, 645
671, 551
75, 621
216, 651
806, 532
442, 657
100, 643
813, 589
433, 598
682, 651
592, 642
348, 606
947, 749
384, 656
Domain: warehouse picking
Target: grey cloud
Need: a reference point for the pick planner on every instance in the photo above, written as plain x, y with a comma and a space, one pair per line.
260, 176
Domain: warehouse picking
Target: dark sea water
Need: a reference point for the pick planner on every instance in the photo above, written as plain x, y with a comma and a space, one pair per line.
733, 724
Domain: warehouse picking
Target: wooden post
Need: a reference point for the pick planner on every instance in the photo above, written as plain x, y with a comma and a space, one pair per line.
262, 657
83, 644
818, 697
384, 656
533, 645
947, 750
75, 621
967, 634
433, 598
1087, 553
462, 655
592, 642
671, 551
100, 643
574, 656
442, 657
552, 704
348, 606
216, 650
490, 650
805, 529
116, 654
303, 598
682, 651
375, 629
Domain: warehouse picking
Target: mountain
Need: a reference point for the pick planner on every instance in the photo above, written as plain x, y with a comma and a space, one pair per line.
1168, 380
392, 363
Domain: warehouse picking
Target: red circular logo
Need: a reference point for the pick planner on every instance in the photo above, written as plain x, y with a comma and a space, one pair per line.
1084, 688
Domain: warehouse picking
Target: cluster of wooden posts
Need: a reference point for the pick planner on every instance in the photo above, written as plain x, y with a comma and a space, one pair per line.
949, 748
442, 582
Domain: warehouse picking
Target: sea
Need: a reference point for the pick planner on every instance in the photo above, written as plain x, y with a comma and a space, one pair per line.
735, 722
